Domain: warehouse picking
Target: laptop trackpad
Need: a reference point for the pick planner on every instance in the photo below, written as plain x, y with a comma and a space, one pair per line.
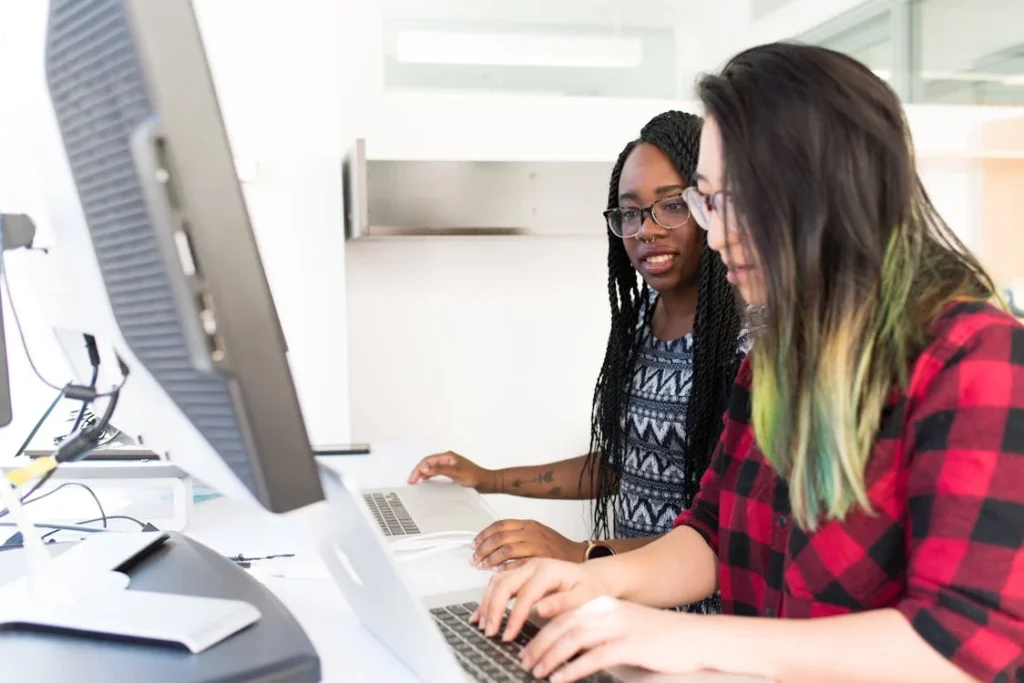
448, 510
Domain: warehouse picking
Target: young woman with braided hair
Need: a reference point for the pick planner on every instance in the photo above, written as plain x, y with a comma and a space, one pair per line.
673, 350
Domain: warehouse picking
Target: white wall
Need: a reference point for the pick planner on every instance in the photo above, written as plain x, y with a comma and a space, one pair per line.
277, 69
21, 191
491, 346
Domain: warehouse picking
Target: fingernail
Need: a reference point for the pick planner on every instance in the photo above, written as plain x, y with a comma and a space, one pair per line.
538, 671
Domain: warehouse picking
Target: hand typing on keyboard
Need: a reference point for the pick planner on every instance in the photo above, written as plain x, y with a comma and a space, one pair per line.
489, 659
589, 630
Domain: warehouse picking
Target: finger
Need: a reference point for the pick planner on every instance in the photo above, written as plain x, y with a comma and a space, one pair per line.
511, 550
432, 466
567, 636
499, 591
508, 566
546, 577
498, 527
562, 602
605, 656
577, 642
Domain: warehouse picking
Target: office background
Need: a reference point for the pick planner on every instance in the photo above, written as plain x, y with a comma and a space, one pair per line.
490, 345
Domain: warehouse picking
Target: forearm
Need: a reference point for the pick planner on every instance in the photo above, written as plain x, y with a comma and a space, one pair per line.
678, 568
879, 645
560, 480
624, 545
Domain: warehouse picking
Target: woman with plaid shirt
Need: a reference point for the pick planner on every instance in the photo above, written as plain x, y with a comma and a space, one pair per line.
863, 517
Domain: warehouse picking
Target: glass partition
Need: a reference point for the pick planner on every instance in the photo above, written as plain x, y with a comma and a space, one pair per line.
936, 51
969, 52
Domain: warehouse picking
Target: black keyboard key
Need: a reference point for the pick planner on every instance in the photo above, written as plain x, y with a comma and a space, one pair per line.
490, 660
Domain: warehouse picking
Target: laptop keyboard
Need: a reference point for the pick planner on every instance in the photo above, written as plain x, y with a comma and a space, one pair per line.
391, 515
489, 660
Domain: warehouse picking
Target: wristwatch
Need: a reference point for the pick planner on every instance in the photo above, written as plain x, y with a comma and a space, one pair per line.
596, 549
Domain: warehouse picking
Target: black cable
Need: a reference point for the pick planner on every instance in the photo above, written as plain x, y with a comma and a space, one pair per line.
39, 424
78, 446
142, 525
85, 404
25, 499
94, 361
72, 390
63, 527
16, 541
21, 332
35, 487
79, 485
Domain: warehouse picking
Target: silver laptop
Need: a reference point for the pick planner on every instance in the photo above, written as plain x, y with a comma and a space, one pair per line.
433, 637
430, 508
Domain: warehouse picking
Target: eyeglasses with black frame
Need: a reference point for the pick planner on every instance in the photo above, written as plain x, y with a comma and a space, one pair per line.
668, 212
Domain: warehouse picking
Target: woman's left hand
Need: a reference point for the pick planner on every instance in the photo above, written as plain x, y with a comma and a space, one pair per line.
606, 632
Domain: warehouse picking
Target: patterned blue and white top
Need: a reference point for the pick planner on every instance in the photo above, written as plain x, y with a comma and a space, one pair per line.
656, 465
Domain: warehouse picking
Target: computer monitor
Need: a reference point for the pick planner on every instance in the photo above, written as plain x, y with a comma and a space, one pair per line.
184, 298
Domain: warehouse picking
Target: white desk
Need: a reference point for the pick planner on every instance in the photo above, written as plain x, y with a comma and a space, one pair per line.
347, 651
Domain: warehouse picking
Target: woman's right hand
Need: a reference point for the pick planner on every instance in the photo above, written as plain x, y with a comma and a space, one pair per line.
549, 587
461, 470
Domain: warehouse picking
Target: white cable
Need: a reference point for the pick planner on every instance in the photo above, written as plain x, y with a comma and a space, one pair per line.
448, 539
410, 555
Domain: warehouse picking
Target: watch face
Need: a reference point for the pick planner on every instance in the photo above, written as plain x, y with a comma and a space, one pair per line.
600, 550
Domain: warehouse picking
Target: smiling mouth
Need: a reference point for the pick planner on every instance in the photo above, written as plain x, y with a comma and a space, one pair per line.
659, 259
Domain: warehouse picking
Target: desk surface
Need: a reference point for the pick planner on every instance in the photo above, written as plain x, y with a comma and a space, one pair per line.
348, 652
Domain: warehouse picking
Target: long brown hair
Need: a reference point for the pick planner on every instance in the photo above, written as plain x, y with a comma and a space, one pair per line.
854, 258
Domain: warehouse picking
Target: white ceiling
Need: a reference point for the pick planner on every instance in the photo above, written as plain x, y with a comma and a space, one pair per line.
958, 34
627, 13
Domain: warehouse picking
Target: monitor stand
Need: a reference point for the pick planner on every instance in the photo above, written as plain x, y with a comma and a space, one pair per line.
275, 649
86, 594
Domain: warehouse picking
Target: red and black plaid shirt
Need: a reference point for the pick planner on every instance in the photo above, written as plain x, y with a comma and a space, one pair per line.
946, 484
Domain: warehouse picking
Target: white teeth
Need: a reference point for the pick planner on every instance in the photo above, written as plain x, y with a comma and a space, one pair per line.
660, 258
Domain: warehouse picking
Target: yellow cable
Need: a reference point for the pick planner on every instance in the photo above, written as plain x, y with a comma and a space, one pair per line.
33, 470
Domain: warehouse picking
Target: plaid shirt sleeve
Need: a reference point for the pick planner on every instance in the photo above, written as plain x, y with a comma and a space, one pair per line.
964, 461
702, 515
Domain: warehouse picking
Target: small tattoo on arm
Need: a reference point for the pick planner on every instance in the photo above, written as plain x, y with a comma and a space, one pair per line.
555, 491
546, 477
